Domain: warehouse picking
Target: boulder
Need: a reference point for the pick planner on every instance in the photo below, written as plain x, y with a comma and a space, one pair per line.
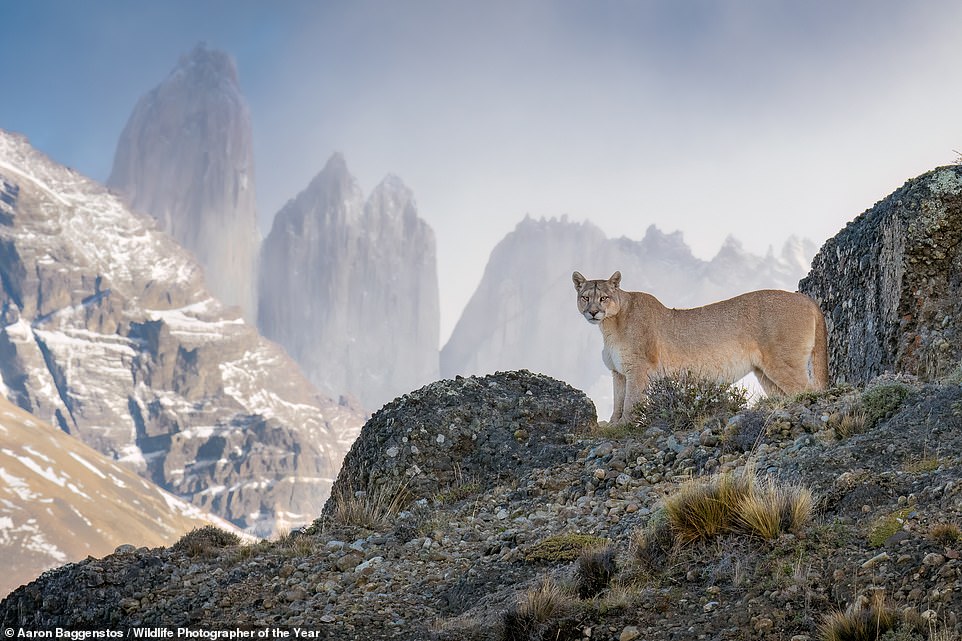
890, 283
479, 430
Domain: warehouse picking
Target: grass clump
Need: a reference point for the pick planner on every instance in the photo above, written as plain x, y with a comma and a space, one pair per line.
945, 533
204, 540
540, 613
562, 548
851, 423
738, 504
722, 505
869, 619
596, 568
369, 509
687, 401
881, 401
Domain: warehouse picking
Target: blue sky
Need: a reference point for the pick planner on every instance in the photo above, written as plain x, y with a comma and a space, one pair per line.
754, 118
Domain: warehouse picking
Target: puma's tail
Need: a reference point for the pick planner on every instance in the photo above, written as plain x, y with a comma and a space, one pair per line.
819, 373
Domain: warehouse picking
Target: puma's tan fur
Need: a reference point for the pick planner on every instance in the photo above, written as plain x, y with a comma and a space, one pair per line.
778, 335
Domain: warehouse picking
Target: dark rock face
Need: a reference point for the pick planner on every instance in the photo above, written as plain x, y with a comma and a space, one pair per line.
109, 333
479, 430
350, 289
890, 283
524, 308
186, 158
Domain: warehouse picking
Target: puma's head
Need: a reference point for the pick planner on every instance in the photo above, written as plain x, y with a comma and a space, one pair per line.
597, 299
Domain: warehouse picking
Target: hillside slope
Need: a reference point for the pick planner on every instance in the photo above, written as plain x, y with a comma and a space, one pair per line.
61, 501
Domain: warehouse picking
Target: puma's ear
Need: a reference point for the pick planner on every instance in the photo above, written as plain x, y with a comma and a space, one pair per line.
615, 279
579, 280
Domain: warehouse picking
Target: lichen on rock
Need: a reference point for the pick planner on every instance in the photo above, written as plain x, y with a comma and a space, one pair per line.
890, 283
479, 430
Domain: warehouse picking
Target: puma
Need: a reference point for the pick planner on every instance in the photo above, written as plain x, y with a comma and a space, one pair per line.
778, 335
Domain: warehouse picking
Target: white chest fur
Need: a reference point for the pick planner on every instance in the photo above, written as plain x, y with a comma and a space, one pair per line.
611, 357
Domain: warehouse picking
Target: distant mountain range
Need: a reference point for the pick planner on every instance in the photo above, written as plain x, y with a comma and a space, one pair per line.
61, 501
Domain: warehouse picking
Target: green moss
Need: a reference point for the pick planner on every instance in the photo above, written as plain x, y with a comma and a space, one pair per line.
882, 401
561, 548
885, 526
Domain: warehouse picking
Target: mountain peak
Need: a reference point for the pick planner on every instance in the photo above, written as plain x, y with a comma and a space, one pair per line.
208, 63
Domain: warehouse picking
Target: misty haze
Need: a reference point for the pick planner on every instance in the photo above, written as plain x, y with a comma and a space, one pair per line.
289, 334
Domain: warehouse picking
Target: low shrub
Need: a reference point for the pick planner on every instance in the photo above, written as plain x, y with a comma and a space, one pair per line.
204, 540
687, 401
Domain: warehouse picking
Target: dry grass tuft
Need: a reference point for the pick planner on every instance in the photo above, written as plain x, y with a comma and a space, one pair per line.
538, 612
866, 620
596, 568
371, 510
945, 533
723, 504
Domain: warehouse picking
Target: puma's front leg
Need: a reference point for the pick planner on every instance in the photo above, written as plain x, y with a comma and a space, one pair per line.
618, 384
636, 382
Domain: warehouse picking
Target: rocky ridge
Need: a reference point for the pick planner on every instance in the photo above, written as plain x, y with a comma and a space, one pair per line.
450, 565
109, 333
186, 158
349, 287
890, 283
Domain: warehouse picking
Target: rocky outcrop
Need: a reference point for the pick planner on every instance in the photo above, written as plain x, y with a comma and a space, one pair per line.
477, 430
186, 158
350, 289
890, 283
450, 567
525, 307
109, 333
62, 501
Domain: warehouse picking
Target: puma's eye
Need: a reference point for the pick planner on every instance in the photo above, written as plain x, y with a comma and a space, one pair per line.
584, 298
604, 298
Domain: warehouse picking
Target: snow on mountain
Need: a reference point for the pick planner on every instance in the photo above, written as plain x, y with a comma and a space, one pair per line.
61, 501
109, 333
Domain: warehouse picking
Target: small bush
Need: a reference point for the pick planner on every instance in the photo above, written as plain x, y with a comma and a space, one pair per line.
371, 510
204, 540
561, 548
596, 568
539, 613
687, 401
881, 401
